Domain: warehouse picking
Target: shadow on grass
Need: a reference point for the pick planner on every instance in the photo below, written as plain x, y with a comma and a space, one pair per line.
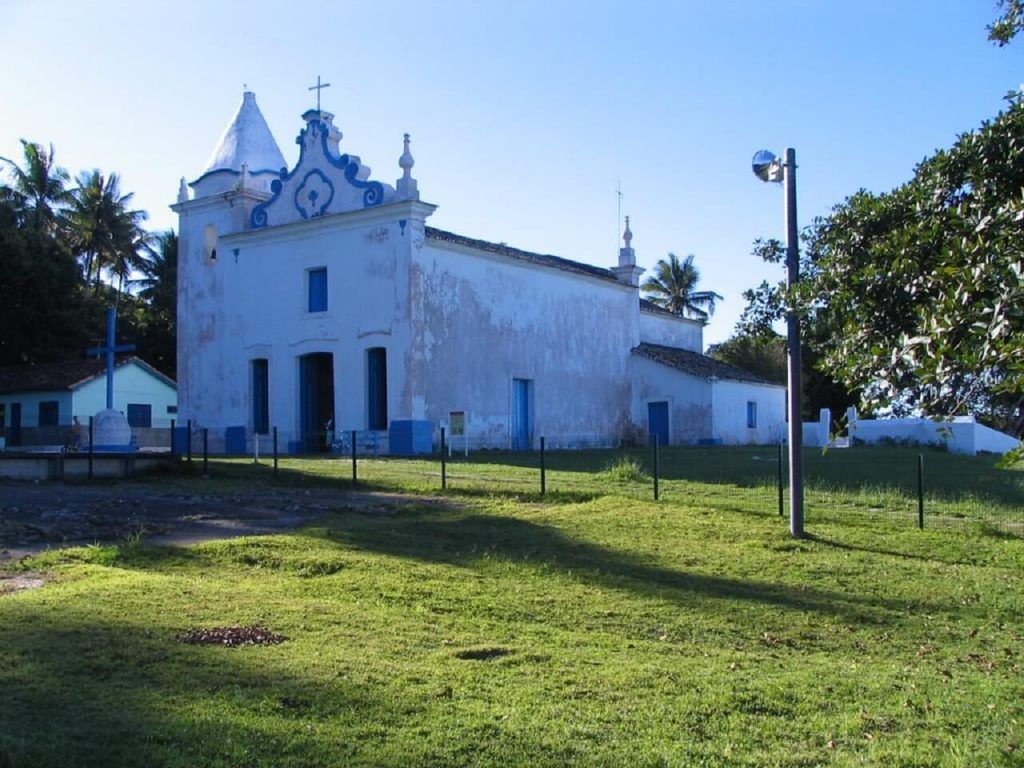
81, 692
463, 539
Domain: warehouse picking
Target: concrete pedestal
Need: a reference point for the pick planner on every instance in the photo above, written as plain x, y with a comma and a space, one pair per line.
110, 432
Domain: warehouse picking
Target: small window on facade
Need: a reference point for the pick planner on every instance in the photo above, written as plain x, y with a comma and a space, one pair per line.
377, 388
317, 285
3, 415
457, 423
140, 415
260, 396
172, 409
751, 414
49, 413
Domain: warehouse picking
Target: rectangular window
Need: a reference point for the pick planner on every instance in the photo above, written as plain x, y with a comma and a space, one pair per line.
751, 414
317, 289
140, 415
49, 413
260, 396
172, 409
3, 415
377, 388
457, 423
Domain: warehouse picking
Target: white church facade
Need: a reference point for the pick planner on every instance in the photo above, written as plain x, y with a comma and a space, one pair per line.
317, 296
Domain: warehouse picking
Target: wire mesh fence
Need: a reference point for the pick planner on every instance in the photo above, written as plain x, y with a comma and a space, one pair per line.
897, 485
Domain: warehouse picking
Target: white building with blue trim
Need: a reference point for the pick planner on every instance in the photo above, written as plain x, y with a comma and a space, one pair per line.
314, 295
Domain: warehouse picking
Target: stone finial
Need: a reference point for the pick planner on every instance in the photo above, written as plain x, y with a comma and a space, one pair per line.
406, 186
627, 271
183, 191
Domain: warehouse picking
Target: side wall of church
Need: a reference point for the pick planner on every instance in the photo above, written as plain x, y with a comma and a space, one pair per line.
656, 328
689, 401
482, 321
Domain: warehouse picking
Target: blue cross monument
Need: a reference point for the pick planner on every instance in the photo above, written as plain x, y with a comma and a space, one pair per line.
109, 351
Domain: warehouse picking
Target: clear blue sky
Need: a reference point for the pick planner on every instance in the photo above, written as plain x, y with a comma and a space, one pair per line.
525, 114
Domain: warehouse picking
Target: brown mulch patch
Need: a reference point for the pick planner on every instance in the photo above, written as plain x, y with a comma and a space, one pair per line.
232, 636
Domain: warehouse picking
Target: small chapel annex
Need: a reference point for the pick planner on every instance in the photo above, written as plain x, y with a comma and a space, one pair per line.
315, 296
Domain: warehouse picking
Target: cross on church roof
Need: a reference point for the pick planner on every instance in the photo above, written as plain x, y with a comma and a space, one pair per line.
318, 87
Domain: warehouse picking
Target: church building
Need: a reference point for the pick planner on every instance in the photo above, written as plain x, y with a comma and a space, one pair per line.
315, 297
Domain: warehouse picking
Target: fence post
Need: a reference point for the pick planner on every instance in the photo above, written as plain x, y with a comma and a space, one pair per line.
206, 446
173, 456
355, 478
920, 491
275, 450
90, 447
781, 459
444, 467
189, 442
543, 478
656, 468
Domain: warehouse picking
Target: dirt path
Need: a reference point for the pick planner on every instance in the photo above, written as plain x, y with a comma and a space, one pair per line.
39, 516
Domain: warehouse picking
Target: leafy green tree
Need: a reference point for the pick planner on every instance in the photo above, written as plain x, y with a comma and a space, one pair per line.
38, 191
43, 312
761, 354
922, 288
1006, 27
673, 287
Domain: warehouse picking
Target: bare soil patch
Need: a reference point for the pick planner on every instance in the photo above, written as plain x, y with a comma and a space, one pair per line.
39, 516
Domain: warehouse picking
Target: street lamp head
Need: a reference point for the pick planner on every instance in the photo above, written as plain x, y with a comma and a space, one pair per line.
766, 166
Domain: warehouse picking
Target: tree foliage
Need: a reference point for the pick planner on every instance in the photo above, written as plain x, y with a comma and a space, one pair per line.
1008, 24
922, 288
56, 246
673, 286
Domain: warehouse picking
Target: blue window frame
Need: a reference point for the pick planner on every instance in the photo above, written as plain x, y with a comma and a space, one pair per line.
317, 284
751, 414
140, 415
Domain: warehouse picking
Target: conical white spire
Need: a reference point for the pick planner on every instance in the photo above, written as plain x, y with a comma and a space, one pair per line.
247, 139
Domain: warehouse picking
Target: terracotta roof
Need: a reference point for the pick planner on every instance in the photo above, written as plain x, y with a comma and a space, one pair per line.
64, 376
536, 258
696, 364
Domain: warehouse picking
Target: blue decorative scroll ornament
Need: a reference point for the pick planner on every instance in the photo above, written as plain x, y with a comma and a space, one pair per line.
315, 193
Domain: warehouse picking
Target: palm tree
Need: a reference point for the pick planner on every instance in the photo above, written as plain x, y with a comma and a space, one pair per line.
672, 287
159, 265
104, 232
38, 191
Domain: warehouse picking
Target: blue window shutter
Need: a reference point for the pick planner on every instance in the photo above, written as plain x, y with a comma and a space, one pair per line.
140, 415
260, 396
318, 290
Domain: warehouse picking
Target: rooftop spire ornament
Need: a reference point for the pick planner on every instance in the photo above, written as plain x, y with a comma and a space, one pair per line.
318, 87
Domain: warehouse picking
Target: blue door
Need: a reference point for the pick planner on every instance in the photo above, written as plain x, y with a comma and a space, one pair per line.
522, 416
657, 422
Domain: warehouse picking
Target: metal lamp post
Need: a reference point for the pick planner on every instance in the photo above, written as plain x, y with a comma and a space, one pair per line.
767, 167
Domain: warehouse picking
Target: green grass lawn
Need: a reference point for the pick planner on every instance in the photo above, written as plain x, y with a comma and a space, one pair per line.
590, 628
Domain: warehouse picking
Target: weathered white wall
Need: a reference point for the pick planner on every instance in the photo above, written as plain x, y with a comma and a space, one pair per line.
657, 328
481, 320
729, 406
689, 399
257, 296
961, 435
132, 384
